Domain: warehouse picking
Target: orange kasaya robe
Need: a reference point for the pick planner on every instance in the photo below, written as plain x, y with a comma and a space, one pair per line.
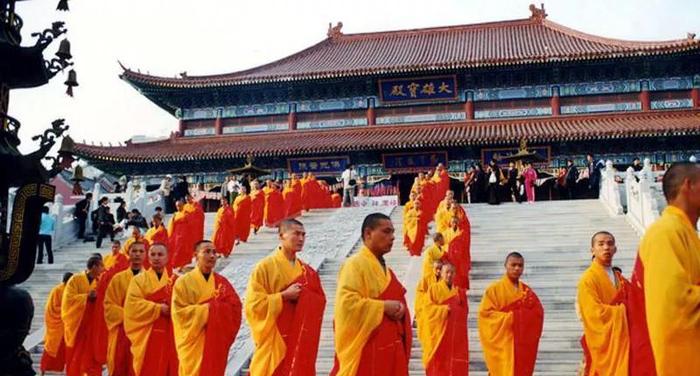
206, 316
286, 334
53, 358
367, 342
181, 245
223, 236
195, 211
406, 210
257, 209
442, 183
242, 207
442, 331
274, 207
416, 228
510, 325
292, 202
605, 324
100, 341
115, 259
119, 359
306, 193
442, 219
157, 235
149, 331
670, 261
78, 316
336, 200
458, 254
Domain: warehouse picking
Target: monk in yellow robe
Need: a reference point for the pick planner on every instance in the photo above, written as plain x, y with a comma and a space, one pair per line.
284, 307
510, 322
423, 287
434, 253
242, 207
206, 314
53, 358
257, 206
669, 255
444, 214
136, 236
604, 317
157, 233
416, 228
79, 321
372, 325
147, 321
408, 207
442, 327
119, 359
116, 257
223, 236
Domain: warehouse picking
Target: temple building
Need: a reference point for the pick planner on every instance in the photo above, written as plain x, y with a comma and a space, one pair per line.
396, 102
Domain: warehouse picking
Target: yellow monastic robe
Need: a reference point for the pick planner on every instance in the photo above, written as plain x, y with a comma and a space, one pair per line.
140, 313
73, 305
443, 217
263, 304
432, 321
53, 337
432, 254
190, 315
670, 253
358, 312
114, 311
496, 327
604, 325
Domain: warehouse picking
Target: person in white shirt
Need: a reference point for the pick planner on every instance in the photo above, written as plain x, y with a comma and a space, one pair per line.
349, 179
232, 188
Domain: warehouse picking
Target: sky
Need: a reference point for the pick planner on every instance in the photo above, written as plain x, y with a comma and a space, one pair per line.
166, 37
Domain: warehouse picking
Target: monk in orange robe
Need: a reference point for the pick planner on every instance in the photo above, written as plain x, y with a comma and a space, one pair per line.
242, 208
180, 237
223, 236
194, 209
442, 181
119, 358
336, 200
274, 204
116, 257
257, 206
442, 327
157, 233
292, 200
298, 190
458, 239
136, 236
372, 325
407, 208
284, 307
510, 322
669, 269
416, 228
306, 191
147, 321
605, 325
206, 314
53, 358
78, 316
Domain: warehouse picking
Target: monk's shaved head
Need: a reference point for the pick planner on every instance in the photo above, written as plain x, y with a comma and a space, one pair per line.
67, 276
437, 237
447, 265
373, 220
676, 175
601, 233
514, 255
288, 224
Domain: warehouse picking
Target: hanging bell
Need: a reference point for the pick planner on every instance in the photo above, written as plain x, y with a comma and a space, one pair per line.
78, 174
66, 152
71, 82
63, 52
62, 5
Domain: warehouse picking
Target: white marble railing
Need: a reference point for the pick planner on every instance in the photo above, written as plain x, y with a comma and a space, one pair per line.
611, 190
644, 199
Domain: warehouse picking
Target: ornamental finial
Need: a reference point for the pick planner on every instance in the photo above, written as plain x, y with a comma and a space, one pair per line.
335, 31
538, 14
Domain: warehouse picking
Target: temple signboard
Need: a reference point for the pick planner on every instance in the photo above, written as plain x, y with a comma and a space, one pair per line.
422, 89
318, 166
413, 162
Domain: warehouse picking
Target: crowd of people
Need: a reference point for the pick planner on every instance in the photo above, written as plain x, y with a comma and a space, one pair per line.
138, 316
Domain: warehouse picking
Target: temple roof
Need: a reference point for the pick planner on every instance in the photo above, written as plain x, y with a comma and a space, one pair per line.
504, 43
398, 137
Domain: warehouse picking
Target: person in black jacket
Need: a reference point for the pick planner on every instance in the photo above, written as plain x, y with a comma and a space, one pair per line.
121, 211
512, 181
82, 208
136, 219
571, 179
593, 176
105, 222
493, 176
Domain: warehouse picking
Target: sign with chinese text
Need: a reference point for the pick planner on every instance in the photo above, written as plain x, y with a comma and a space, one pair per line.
490, 153
413, 162
318, 166
418, 89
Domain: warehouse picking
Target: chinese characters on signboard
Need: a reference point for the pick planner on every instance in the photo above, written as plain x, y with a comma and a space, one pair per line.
413, 162
418, 89
318, 166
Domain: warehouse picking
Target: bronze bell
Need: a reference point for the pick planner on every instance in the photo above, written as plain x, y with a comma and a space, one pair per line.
66, 152
63, 52
71, 82
62, 5
78, 174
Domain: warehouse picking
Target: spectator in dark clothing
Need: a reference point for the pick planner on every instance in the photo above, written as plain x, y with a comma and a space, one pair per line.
571, 178
136, 219
494, 182
512, 181
121, 211
82, 208
637, 165
593, 176
181, 189
105, 225
45, 232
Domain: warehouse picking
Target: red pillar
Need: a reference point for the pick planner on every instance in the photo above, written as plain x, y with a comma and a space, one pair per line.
181, 127
469, 106
218, 126
371, 116
292, 120
695, 96
645, 99
554, 102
